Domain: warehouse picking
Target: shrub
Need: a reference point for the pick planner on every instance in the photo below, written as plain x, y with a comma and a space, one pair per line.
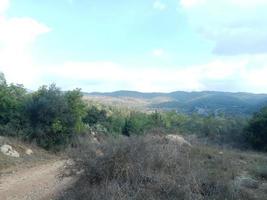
148, 167
95, 115
55, 117
260, 171
256, 133
13, 118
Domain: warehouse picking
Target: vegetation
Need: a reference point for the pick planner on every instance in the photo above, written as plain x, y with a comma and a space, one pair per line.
48, 116
119, 153
150, 167
257, 130
13, 116
53, 118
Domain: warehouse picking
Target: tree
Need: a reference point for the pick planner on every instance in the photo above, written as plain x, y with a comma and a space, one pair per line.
77, 109
95, 115
136, 124
55, 116
256, 133
2, 79
12, 108
127, 128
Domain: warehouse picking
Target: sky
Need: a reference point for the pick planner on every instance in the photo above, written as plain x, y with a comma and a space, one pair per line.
141, 45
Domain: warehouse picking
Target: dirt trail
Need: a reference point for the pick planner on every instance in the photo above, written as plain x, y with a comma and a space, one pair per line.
36, 183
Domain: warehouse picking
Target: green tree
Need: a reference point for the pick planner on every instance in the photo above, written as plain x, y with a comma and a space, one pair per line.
76, 108
95, 115
12, 108
136, 124
256, 133
2, 79
55, 116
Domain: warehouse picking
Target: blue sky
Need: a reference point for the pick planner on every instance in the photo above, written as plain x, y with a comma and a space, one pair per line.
145, 45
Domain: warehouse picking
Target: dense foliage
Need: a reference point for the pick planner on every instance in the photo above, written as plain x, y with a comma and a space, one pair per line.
55, 116
257, 130
13, 118
48, 116
52, 118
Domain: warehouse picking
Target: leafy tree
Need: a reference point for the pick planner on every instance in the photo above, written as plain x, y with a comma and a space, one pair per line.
127, 128
12, 108
55, 116
173, 120
256, 134
95, 115
2, 79
76, 108
156, 120
115, 122
136, 124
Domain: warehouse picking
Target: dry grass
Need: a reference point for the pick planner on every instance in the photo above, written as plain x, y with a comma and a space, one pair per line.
149, 167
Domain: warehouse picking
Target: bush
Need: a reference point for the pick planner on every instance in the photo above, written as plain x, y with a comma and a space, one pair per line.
55, 117
256, 133
260, 171
13, 117
95, 115
148, 167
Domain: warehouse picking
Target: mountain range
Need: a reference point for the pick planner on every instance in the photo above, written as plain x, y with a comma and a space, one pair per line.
205, 103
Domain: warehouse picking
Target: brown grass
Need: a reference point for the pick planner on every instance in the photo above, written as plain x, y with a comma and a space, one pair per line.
149, 167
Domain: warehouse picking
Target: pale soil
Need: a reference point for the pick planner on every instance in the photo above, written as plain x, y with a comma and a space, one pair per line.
37, 183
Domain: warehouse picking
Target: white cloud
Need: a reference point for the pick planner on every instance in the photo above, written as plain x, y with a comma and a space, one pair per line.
158, 52
111, 76
19, 32
248, 73
3, 5
235, 26
159, 5
16, 37
233, 74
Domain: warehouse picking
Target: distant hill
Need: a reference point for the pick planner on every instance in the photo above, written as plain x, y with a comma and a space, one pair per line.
132, 94
206, 102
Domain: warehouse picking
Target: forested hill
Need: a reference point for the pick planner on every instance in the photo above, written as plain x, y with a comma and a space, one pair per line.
207, 102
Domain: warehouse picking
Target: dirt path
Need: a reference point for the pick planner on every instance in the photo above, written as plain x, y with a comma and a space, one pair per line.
37, 183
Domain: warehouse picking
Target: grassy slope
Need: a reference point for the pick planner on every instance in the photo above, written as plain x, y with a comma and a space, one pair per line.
151, 168
232, 165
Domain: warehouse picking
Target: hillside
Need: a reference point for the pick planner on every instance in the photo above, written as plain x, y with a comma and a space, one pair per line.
206, 102
165, 167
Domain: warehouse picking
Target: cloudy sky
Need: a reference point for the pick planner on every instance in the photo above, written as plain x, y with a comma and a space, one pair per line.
145, 45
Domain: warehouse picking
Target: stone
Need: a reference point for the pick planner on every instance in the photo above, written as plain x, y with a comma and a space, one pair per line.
178, 140
9, 151
95, 140
99, 153
29, 152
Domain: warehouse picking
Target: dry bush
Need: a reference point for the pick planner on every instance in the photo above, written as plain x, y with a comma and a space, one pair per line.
149, 167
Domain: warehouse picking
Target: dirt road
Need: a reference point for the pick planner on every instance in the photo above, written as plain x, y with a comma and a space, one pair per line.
37, 183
